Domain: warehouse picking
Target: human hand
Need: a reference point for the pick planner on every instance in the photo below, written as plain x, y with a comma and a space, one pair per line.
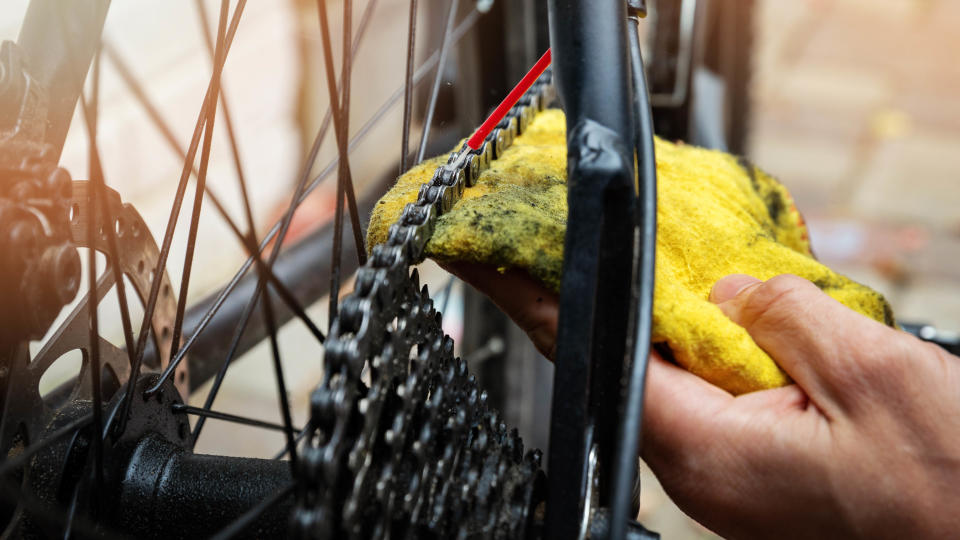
865, 444
531, 305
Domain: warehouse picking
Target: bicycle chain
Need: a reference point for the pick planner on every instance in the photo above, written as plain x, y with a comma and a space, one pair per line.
402, 442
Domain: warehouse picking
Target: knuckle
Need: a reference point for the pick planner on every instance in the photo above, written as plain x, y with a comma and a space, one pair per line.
776, 301
896, 353
883, 361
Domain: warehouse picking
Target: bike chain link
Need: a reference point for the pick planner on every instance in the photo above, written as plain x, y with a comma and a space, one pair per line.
402, 443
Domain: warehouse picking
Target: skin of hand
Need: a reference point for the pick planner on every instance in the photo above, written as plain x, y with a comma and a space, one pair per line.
531, 305
866, 443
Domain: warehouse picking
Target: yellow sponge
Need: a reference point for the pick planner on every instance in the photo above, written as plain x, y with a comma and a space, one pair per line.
717, 215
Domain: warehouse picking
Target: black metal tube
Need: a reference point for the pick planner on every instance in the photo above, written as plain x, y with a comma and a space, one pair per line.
60, 39
588, 40
631, 415
167, 493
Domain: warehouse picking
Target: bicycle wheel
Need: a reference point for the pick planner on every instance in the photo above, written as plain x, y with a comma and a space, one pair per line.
111, 452
399, 441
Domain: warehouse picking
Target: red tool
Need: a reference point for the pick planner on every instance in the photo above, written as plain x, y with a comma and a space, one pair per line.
525, 83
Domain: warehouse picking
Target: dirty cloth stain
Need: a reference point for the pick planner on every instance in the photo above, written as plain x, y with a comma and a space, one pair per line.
717, 215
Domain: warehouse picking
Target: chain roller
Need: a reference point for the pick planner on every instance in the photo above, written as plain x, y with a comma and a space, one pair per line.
402, 442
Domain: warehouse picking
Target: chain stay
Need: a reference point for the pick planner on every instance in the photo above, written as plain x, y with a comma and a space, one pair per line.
426, 456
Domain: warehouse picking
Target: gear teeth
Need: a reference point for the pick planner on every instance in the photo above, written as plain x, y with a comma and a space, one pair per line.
404, 444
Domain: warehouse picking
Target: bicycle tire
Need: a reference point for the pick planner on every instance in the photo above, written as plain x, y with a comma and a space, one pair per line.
148, 523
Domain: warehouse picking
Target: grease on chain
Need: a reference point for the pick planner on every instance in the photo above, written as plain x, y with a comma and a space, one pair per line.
403, 444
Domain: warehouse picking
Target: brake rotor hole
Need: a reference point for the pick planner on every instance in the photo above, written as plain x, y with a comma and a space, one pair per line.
63, 370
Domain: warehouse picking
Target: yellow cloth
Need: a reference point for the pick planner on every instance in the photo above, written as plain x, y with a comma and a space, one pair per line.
717, 215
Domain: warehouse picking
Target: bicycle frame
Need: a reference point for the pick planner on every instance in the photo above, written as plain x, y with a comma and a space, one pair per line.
60, 57
603, 334
602, 341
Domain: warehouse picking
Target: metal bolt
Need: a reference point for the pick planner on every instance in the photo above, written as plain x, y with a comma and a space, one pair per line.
22, 191
60, 183
23, 236
63, 264
636, 8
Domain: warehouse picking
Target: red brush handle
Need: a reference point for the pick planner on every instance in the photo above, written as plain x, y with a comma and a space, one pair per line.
477, 138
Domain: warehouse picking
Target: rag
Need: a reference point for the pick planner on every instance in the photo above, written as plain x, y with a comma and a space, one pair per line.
717, 215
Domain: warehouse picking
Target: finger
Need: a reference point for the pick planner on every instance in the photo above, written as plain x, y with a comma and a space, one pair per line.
731, 286
807, 333
530, 304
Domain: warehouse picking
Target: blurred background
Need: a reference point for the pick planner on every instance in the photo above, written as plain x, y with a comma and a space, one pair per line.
853, 104
855, 107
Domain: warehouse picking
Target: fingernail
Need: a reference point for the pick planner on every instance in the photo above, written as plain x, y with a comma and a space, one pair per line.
729, 287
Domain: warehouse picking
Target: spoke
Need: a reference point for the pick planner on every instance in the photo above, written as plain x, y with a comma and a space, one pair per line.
408, 86
282, 226
247, 519
344, 138
281, 385
72, 512
437, 78
153, 113
344, 179
303, 432
44, 359
251, 238
172, 222
224, 366
217, 415
74, 499
99, 199
93, 346
95, 171
211, 110
278, 230
447, 290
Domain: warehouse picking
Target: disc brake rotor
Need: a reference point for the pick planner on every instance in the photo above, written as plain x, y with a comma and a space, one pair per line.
137, 259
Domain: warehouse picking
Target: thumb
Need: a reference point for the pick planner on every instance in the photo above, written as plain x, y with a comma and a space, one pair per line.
807, 333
